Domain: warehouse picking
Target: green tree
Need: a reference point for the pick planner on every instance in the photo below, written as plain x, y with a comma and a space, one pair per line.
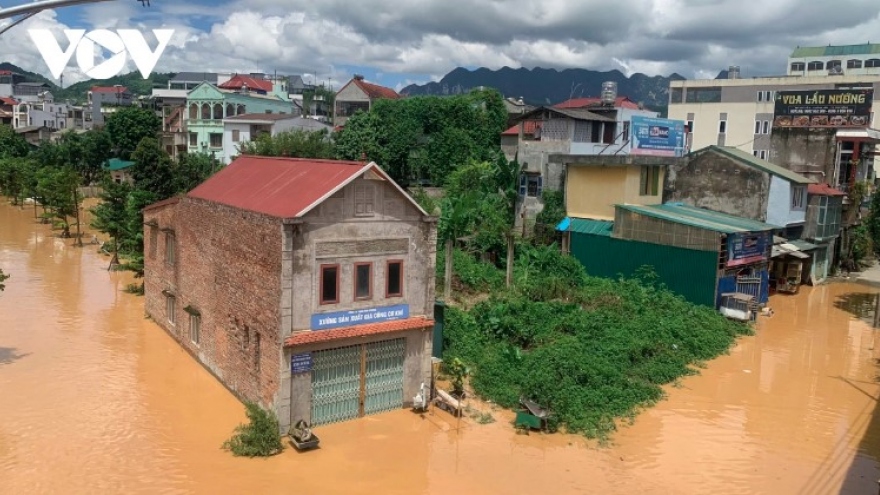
152, 169
128, 126
110, 216
131, 240
192, 169
58, 189
95, 149
873, 221
296, 143
259, 437
3, 277
12, 145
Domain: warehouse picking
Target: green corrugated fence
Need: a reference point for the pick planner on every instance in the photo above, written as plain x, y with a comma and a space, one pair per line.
687, 272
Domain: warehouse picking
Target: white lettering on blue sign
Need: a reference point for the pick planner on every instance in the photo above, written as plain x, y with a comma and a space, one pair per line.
326, 321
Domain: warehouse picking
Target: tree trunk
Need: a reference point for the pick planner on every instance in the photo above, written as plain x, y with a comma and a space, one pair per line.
447, 283
79, 241
509, 259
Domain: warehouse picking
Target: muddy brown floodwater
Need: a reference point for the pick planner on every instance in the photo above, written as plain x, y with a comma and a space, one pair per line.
96, 399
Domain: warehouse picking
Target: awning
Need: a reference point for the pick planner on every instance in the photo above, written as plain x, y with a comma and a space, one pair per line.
317, 336
786, 248
802, 244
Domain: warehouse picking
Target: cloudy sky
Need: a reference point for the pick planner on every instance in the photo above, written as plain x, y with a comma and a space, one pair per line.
398, 42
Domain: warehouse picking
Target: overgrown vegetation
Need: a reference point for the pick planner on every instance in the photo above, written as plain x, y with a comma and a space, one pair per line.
3, 278
593, 350
295, 143
259, 437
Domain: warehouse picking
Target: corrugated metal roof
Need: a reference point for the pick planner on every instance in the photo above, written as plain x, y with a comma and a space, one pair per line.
700, 218
753, 161
279, 187
591, 226
802, 244
117, 164
831, 51
283, 187
824, 190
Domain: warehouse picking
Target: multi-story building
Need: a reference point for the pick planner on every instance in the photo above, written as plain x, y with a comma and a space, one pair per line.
242, 128
357, 95
48, 114
7, 109
104, 100
208, 105
851, 60
304, 285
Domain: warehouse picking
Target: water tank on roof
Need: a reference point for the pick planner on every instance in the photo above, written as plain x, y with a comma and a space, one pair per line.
609, 92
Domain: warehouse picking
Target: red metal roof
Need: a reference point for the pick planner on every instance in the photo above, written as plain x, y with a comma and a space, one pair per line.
530, 127
619, 102
109, 89
6, 100
278, 187
824, 190
375, 91
312, 337
6, 73
238, 81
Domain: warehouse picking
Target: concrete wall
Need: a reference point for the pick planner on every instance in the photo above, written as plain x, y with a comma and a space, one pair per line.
228, 267
350, 93
592, 191
332, 234
715, 182
811, 152
780, 200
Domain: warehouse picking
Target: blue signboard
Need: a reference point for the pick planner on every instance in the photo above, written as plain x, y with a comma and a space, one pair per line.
657, 137
326, 321
744, 249
301, 363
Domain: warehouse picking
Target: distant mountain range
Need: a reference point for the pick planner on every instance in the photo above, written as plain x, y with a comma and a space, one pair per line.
78, 92
549, 86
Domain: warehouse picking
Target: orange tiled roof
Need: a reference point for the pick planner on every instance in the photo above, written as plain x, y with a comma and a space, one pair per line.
530, 127
375, 91
312, 337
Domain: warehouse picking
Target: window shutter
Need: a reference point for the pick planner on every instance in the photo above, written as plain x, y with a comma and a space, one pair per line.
522, 185
540, 185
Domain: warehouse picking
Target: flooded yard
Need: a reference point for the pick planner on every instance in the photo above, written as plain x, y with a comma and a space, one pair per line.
94, 398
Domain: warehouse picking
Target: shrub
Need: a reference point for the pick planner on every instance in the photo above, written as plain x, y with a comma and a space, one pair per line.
259, 438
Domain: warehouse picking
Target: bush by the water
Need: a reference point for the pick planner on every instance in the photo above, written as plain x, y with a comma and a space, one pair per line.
258, 438
593, 350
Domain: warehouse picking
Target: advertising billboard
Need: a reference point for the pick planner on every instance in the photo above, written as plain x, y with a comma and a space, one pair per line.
823, 108
744, 249
657, 137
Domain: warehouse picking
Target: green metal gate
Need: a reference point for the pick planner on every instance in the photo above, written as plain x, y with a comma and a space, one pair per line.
336, 384
384, 376
349, 382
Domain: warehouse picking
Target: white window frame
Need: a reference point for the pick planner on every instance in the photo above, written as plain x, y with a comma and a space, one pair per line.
722, 127
195, 329
765, 127
171, 309
797, 197
760, 96
757, 126
763, 155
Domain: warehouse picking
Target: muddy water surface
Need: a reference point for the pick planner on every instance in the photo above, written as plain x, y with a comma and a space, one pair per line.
96, 399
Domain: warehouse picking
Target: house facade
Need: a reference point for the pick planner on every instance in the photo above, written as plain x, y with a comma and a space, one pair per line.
48, 113
851, 60
242, 128
304, 285
357, 95
103, 100
208, 105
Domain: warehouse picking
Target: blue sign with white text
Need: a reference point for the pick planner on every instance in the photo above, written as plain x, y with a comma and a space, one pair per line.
301, 363
657, 137
338, 319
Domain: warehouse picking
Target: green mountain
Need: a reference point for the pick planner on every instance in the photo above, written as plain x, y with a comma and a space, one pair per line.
540, 86
78, 92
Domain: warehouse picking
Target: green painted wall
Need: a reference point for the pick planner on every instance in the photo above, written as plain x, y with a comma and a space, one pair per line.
687, 272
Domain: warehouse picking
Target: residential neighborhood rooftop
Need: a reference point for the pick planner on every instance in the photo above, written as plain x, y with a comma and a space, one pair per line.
753, 161
238, 81
619, 102
824, 190
829, 51
109, 89
700, 218
375, 91
267, 117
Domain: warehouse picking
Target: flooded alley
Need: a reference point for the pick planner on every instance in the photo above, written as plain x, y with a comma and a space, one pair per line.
94, 398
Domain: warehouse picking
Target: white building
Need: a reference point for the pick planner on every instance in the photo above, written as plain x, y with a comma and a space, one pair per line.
242, 128
739, 112
851, 60
47, 114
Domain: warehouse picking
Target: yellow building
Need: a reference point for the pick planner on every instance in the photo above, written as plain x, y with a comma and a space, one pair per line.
595, 183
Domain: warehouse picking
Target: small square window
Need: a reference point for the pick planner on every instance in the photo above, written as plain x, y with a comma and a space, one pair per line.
193, 139
236, 135
394, 278
364, 200
216, 140
329, 284
363, 280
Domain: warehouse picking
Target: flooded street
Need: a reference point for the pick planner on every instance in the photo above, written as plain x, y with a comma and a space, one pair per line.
94, 398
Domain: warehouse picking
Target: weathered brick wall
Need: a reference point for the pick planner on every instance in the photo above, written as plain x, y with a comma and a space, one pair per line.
228, 267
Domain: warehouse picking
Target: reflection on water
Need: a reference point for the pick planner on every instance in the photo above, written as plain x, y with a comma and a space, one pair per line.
97, 399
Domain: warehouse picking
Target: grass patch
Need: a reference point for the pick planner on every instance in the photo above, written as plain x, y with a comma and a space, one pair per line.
595, 351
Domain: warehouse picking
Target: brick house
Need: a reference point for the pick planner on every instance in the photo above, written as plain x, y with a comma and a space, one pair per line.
304, 285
